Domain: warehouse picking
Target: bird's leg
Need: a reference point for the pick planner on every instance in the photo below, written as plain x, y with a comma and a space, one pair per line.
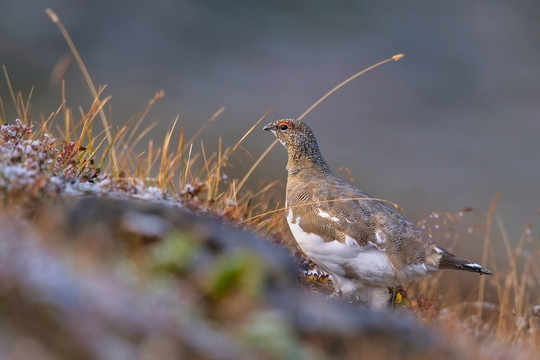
374, 297
337, 294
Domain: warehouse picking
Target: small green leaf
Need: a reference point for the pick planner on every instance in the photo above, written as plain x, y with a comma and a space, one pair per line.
176, 253
240, 270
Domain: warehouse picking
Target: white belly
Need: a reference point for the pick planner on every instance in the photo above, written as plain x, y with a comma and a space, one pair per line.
371, 265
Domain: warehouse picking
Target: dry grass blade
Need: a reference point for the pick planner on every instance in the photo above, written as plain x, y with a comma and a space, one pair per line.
202, 128
504, 294
86, 75
27, 106
11, 92
141, 135
160, 94
487, 234
206, 161
164, 167
43, 128
255, 164
20, 101
3, 112
186, 168
347, 171
89, 158
214, 187
322, 202
87, 124
336, 88
267, 187
262, 224
123, 168
250, 171
65, 111
237, 144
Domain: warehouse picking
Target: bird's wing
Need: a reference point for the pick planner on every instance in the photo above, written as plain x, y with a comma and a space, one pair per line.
372, 223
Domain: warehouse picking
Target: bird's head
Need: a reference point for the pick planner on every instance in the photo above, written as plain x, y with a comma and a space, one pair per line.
300, 143
293, 134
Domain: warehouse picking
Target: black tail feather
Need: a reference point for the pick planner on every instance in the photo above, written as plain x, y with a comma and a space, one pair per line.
449, 261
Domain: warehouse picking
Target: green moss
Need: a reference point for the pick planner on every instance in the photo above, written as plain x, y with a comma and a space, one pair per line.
239, 270
176, 253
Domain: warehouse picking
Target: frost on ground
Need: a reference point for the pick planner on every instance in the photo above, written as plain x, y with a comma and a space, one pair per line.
32, 169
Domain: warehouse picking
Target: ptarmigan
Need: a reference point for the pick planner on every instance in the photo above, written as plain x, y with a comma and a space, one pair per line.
363, 244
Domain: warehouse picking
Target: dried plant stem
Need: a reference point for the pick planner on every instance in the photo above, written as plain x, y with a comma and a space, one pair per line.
160, 94
203, 127
321, 202
86, 75
237, 144
255, 164
487, 234
263, 155
336, 88
511, 279
165, 163
11, 92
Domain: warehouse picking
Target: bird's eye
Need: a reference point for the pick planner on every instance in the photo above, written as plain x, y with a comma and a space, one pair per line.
284, 127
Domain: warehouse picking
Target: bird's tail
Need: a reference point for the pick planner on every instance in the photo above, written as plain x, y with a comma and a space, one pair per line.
449, 261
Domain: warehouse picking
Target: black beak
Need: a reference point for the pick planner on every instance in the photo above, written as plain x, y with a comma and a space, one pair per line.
268, 127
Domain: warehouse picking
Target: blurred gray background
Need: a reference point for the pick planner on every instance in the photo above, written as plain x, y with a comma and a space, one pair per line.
446, 127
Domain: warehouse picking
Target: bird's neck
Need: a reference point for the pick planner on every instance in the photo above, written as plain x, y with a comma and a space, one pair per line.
306, 159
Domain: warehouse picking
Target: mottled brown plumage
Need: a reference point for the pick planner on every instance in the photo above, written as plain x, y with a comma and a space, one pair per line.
363, 243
